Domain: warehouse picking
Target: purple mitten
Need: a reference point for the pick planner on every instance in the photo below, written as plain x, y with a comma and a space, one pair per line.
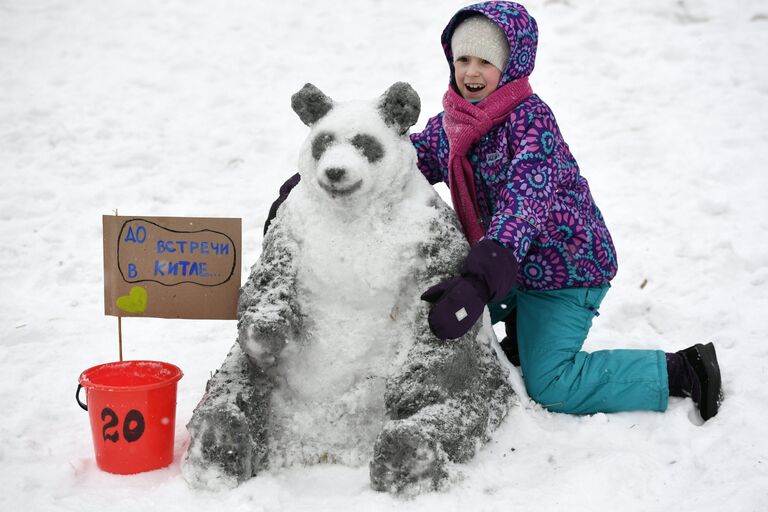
488, 275
457, 306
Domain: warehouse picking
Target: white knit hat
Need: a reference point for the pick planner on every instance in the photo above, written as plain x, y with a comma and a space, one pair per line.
477, 36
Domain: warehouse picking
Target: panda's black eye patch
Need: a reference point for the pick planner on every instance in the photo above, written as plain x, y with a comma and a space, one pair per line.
321, 143
371, 148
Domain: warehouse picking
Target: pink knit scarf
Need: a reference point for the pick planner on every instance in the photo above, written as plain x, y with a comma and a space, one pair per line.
464, 124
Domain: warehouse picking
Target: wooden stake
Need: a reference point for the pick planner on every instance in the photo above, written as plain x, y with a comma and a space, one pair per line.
120, 327
120, 335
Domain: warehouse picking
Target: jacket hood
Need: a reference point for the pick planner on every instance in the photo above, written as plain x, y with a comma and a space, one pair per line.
519, 27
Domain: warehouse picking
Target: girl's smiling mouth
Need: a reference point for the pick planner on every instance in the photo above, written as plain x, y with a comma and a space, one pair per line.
474, 87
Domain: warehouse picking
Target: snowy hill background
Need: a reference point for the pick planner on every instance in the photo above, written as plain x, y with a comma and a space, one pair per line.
182, 108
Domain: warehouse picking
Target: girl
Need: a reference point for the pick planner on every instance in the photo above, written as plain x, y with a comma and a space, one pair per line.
541, 255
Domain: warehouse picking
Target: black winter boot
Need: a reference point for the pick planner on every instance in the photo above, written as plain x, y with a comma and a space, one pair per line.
695, 372
509, 343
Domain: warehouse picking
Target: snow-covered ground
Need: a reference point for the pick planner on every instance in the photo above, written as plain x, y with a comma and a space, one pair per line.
182, 108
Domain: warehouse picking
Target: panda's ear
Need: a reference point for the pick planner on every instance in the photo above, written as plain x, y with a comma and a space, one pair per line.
311, 104
400, 107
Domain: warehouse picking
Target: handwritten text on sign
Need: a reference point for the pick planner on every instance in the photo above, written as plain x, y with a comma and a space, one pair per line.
204, 257
171, 267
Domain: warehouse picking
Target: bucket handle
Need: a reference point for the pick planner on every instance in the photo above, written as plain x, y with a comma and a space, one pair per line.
77, 397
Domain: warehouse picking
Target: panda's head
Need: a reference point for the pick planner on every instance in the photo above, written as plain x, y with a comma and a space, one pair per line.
356, 151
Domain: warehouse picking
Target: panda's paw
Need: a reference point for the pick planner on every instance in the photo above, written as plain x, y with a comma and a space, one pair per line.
221, 451
262, 344
406, 460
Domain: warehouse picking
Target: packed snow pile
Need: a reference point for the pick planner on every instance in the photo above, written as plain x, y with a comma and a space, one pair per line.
336, 362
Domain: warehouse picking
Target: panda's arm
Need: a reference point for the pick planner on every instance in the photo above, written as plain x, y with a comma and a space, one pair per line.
267, 310
445, 248
441, 254
427, 375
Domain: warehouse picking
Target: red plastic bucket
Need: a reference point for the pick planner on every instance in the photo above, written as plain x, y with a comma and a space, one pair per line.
132, 409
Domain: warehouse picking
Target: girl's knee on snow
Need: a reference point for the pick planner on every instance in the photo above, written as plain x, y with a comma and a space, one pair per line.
550, 387
549, 394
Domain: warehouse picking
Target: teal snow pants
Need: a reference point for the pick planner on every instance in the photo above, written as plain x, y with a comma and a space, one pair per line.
551, 329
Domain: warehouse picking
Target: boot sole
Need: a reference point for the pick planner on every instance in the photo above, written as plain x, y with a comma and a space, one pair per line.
703, 358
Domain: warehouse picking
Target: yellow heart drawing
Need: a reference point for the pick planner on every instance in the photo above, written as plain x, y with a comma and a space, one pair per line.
134, 302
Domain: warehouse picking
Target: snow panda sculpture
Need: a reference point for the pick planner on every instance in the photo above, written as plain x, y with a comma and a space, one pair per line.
335, 360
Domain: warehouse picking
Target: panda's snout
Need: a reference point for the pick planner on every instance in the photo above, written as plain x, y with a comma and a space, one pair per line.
335, 174
337, 184
340, 170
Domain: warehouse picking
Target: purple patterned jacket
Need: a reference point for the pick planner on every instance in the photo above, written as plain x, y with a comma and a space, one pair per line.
531, 195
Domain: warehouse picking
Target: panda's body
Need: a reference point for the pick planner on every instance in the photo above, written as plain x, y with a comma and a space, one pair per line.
330, 403
335, 361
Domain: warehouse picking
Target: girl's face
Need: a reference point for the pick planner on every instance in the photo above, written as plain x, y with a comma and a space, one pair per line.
476, 78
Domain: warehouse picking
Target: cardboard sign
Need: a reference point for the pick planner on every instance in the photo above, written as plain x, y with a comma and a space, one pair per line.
171, 267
